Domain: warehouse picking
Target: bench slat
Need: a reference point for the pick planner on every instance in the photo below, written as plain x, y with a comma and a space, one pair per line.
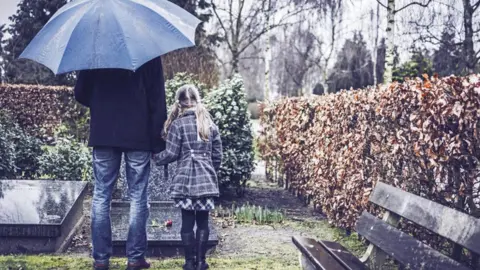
339, 252
444, 221
403, 247
317, 254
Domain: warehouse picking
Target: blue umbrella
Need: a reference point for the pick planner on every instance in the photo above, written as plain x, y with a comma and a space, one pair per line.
125, 34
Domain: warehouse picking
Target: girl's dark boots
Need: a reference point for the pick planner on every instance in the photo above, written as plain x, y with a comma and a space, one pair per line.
188, 240
202, 240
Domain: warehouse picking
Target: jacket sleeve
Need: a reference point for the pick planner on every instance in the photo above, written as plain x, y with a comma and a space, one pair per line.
172, 151
217, 151
157, 107
83, 88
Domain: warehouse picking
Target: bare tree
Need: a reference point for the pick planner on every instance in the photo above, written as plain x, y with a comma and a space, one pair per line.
471, 56
333, 15
460, 17
242, 23
301, 57
375, 23
390, 32
268, 52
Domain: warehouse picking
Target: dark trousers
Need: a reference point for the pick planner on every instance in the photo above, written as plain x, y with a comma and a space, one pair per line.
190, 218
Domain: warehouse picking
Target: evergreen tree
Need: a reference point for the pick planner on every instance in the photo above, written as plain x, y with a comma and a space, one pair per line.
29, 19
419, 64
354, 66
447, 59
200, 9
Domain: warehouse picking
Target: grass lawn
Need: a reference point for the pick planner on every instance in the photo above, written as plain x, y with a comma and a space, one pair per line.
72, 262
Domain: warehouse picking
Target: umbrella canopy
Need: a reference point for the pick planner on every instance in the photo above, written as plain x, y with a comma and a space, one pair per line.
125, 34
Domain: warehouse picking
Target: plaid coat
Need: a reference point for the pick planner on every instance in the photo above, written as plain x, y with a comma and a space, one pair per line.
197, 161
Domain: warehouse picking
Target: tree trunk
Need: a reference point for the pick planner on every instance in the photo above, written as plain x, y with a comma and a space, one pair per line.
235, 63
375, 47
469, 52
268, 53
325, 79
390, 53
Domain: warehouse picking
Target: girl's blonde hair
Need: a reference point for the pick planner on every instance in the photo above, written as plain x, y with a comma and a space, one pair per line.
188, 98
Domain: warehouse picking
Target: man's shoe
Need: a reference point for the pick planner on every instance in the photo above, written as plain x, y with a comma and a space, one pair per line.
100, 266
138, 265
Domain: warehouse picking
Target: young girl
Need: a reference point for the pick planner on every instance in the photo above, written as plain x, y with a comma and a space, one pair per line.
193, 140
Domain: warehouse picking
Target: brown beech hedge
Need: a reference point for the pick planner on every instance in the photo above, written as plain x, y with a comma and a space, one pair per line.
421, 136
39, 109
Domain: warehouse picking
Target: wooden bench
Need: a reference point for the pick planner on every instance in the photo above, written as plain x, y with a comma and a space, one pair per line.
387, 241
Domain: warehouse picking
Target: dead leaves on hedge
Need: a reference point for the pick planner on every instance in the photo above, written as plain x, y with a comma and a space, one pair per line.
39, 109
421, 135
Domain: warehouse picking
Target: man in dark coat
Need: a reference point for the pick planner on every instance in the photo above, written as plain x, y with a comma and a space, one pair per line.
127, 110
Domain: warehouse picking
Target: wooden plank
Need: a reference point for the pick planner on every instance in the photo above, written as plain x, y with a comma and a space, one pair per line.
316, 254
341, 254
375, 257
444, 221
403, 247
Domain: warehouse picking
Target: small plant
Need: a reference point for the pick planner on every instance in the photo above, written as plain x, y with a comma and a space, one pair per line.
257, 215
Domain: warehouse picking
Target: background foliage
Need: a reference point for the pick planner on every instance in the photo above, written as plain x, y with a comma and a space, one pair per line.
18, 150
420, 136
51, 113
67, 160
41, 110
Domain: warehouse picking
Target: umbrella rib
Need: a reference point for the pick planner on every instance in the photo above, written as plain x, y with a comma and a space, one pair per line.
70, 39
123, 37
67, 7
176, 16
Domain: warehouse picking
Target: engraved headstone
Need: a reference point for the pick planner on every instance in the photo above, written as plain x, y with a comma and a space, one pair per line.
39, 216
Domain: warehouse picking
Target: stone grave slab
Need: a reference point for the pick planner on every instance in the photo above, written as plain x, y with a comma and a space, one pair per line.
39, 216
158, 184
161, 241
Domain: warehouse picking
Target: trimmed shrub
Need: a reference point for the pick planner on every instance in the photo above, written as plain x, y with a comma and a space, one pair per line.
197, 60
18, 150
420, 136
228, 107
41, 110
67, 160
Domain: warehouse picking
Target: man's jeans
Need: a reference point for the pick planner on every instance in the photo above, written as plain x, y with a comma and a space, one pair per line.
106, 166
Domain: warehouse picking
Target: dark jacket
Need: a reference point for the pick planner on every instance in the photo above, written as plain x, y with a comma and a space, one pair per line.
127, 109
197, 161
